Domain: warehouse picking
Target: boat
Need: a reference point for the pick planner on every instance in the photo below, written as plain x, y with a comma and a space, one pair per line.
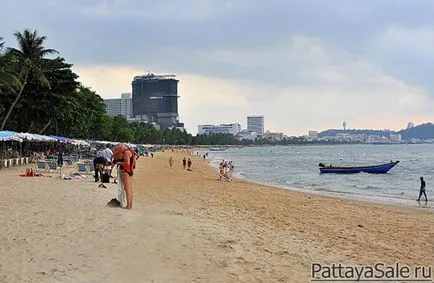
217, 149
374, 169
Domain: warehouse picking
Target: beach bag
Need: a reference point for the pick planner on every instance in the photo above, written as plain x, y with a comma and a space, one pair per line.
105, 178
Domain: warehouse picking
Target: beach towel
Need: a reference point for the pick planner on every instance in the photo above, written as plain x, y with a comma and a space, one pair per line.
121, 197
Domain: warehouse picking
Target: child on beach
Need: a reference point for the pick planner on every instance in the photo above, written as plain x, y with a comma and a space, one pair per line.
170, 162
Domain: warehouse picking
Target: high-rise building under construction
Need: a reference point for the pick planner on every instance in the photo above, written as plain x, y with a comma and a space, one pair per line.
155, 99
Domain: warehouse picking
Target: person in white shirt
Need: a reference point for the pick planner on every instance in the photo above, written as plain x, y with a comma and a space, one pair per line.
103, 157
107, 154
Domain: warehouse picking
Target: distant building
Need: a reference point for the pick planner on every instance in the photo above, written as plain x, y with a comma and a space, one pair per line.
312, 134
156, 97
255, 124
245, 135
274, 136
119, 106
232, 129
395, 137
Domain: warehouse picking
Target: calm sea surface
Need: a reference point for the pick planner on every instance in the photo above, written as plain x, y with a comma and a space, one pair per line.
297, 167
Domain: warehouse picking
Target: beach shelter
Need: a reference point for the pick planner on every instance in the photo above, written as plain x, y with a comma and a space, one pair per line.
62, 139
9, 136
36, 137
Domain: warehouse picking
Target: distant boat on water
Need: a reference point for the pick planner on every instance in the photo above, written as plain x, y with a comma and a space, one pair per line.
374, 169
217, 149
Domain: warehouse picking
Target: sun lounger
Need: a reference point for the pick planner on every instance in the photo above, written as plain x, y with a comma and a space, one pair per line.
82, 168
52, 166
68, 162
41, 166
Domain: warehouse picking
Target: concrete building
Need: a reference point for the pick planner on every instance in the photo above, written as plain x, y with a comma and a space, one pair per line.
274, 136
156, 97
245, 135
120, 106
232, 129
312, 135
255, 124
395, 137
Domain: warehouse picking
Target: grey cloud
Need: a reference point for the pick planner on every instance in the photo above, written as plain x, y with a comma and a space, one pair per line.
182, 36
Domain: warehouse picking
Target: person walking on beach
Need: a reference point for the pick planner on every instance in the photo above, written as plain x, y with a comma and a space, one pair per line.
422, 189
189, 164
184, 163
170, 162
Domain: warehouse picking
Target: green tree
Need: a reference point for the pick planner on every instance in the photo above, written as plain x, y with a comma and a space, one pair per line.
8, 80
28, 57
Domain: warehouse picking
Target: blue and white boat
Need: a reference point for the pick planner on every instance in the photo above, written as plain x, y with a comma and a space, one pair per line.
374, 169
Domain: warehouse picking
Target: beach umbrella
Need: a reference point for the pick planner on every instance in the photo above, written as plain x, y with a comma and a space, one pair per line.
9, 136
36, 137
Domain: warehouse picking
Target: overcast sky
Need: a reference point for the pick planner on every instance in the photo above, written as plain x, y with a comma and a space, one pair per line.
304, 65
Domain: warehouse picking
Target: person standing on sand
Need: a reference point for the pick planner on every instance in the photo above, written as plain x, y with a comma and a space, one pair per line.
126, 160
184, 163
422, 189
170, 162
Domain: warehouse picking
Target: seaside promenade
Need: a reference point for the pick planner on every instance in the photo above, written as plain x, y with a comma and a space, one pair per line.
189, 227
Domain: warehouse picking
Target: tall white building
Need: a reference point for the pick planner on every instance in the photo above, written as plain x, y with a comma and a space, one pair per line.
232, 129
255, 124
120, 106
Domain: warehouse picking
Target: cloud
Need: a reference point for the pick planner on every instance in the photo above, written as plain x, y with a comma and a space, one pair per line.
303, 64
335, 87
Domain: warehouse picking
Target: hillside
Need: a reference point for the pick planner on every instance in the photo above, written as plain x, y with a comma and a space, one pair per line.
422, 132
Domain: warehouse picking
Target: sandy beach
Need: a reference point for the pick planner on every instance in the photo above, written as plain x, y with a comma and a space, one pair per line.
189, 227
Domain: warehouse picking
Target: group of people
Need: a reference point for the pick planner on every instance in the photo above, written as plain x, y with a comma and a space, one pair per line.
124, 159
226, 167
186, 163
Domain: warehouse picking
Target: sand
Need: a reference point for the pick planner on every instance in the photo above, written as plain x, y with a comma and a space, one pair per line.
188, 227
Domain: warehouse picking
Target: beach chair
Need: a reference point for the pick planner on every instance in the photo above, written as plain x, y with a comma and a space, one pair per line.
68, 162
52, 166
41, 166
82, 168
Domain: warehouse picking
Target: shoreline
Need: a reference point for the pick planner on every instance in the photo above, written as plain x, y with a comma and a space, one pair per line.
186, 226
369, 199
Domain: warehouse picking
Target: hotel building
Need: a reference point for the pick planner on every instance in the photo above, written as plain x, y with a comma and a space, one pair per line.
255, 124
119, 106
156, 98
232, 129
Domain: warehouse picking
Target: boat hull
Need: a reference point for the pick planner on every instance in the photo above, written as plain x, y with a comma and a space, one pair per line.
375, 169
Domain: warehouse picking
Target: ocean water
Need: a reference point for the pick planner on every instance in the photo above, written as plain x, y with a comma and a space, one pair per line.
296, 167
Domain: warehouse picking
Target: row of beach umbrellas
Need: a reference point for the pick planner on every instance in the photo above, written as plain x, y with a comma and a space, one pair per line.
20, 137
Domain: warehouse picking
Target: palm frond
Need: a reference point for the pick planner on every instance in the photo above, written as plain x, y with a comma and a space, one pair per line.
48, 52
9, 79
41, 77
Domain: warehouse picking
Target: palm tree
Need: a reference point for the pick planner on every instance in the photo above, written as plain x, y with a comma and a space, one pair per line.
8, 80
31, 51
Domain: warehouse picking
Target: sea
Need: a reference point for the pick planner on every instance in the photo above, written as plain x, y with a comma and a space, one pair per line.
296, 168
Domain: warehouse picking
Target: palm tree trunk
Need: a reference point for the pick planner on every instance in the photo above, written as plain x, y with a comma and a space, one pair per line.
30, 127
6, 118
46, 126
